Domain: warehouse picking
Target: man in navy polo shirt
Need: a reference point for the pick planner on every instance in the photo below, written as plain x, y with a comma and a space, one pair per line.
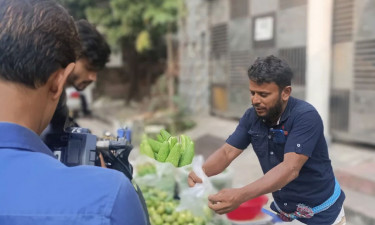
38, 47
287, 136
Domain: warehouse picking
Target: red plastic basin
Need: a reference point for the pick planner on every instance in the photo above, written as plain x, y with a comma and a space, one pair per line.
248, 210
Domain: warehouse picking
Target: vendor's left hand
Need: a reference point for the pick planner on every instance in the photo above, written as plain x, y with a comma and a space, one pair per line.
225, 201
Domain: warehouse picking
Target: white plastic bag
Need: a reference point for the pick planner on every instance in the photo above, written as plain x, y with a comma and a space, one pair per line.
163, 179
181, 176
223, 179
195, 199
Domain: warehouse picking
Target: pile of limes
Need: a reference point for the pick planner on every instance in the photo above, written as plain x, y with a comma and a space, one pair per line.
162, 209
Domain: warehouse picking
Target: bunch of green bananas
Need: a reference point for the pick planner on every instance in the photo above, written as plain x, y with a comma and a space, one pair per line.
167, 148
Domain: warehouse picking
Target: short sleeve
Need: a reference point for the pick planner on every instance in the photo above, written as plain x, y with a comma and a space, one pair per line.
305, 133
240, 138
127, 208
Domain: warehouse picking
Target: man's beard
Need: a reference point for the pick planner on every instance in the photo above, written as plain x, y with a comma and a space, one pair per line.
273, 113
71, 79
78, 86
82, 86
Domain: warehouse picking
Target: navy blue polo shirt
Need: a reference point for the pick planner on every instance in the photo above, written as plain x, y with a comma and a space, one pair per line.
302, 132
38, 189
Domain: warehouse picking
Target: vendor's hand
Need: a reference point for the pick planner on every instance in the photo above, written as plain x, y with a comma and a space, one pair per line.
193, 179
224, 201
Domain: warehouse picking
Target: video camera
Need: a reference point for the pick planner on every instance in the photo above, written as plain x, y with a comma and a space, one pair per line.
77, 146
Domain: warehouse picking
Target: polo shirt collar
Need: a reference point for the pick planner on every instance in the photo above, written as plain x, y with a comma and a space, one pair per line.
14, 136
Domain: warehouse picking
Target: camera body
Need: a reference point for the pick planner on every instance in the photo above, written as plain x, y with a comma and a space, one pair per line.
77, 146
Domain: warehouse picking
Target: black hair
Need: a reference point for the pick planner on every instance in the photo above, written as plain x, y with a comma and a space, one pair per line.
37, 37
271, 69
94, 47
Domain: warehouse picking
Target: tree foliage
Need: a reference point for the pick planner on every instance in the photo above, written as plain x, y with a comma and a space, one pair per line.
144, 22
77, 8
135, 27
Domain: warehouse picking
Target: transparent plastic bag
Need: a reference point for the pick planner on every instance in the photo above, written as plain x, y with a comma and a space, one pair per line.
223, 179
143, 166
163, 179
181, 177
195, 199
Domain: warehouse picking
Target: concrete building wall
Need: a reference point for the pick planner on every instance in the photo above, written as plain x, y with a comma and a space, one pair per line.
232, 41
194, 52
291, 27
258, 7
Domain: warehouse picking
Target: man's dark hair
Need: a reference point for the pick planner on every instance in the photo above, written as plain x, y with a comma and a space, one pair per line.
94, 47
37, 37
271, 69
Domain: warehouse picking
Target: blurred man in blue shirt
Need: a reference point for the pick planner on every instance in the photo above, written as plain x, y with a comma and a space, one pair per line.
38, 47
287, 136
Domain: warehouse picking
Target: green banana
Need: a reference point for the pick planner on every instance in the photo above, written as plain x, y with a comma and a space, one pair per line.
163, 152
174, 155
146, 149
159, 138
183, 143
155, 145
165, 134
172, 141
188, 155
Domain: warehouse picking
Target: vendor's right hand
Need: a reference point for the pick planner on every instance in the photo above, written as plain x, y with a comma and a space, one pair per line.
193, 179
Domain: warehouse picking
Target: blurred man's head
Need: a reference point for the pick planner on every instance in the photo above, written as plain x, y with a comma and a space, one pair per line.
95, 54
270, 86
38, 47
